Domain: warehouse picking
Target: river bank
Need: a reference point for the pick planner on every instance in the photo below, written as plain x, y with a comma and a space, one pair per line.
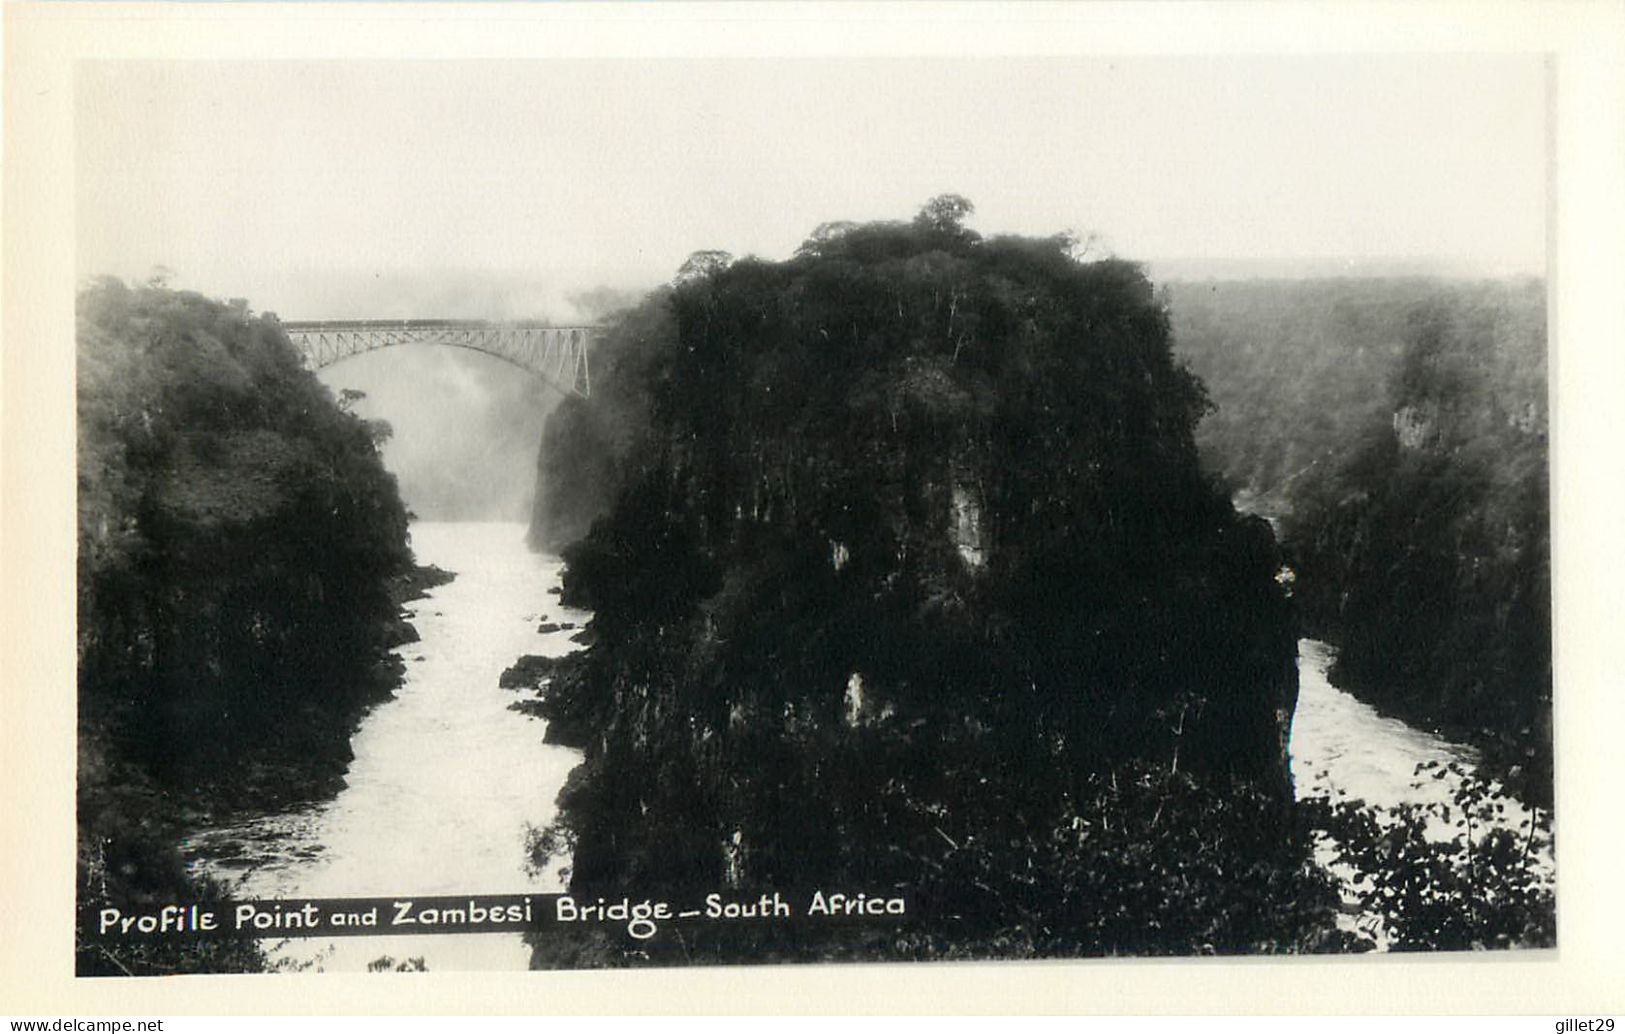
1516, 763
1342, 744
148, 820
289, 774
1447, 830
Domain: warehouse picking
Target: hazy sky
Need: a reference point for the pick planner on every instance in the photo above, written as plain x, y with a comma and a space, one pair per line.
494, 188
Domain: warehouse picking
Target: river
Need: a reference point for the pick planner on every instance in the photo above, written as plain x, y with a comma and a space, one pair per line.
1344, 747
448, 781
1342, 744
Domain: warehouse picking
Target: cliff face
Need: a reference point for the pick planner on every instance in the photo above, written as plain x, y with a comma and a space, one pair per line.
1399, 429
242, 556
582, 462
1425, 551
576, 471
910, 547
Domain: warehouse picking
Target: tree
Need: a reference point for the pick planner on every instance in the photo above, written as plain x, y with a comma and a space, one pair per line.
817, 243
945, 213
702, 264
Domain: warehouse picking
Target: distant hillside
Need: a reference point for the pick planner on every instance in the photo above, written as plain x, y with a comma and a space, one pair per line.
1297, 369
1178, 269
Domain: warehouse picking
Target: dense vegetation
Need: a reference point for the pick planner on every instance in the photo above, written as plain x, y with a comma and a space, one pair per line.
1446, 876
909, 579
1295, 370
242, 556
1399, 429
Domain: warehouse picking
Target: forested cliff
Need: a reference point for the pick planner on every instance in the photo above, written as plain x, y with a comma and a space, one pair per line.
907, 576
242, 554
1399, 430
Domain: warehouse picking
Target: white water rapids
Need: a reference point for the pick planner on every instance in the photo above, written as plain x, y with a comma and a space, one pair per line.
1340, 743
1344, 747
446, 783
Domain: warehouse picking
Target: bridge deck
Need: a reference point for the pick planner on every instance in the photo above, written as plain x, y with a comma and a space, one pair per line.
309, 326
556, 354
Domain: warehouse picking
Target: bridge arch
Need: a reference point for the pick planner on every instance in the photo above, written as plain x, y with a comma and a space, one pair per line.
557, 355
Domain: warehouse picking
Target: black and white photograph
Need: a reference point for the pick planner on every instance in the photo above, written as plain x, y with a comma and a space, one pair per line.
678, 511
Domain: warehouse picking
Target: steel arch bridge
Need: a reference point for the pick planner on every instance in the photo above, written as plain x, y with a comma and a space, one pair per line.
558, 355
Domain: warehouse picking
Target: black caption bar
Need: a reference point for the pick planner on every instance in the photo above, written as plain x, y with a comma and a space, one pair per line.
640, 919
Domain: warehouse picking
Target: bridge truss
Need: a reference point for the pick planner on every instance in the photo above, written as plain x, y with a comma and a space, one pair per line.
558, 355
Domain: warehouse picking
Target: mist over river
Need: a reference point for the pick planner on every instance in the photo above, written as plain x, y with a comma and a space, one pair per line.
447, 780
